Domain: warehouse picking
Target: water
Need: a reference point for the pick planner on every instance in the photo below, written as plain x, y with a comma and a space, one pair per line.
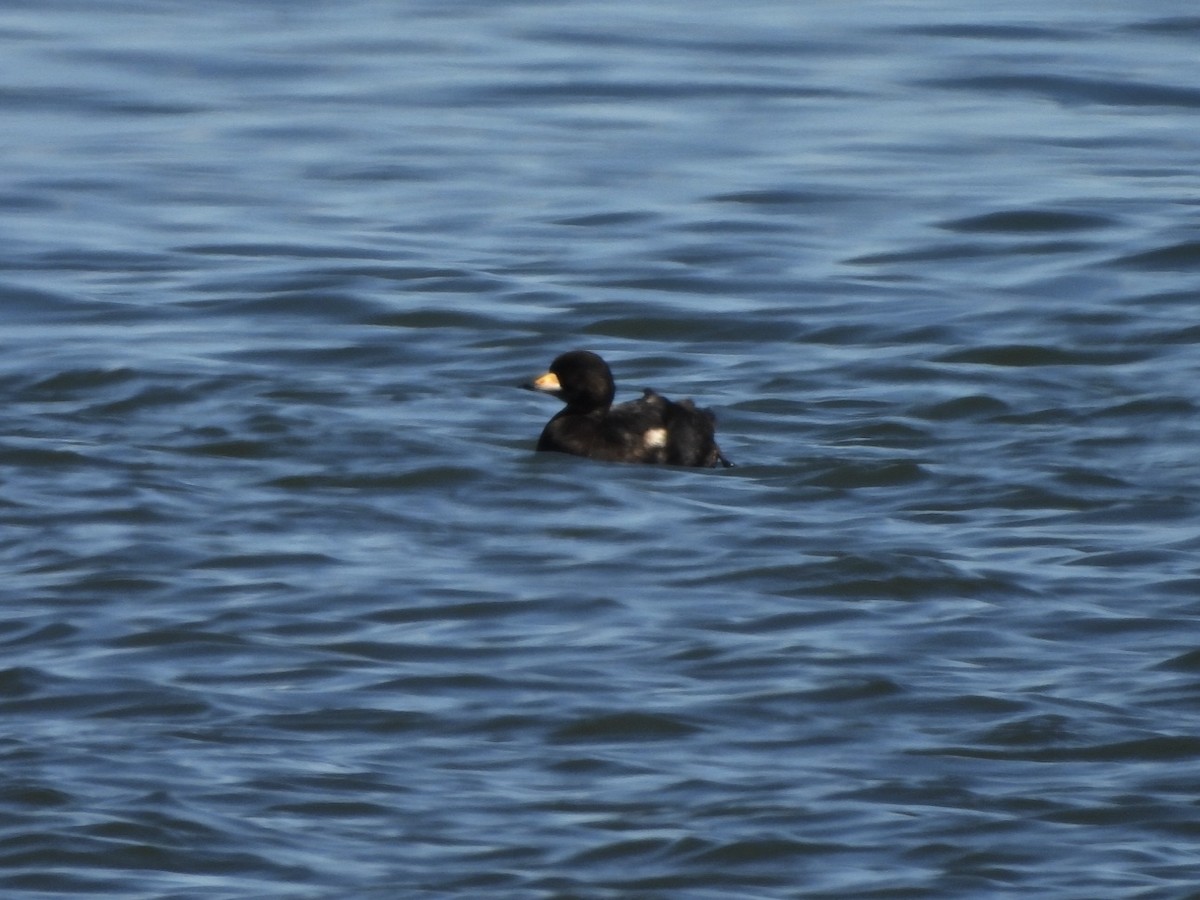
290, 608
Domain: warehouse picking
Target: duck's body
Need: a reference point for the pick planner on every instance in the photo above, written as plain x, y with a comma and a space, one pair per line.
651, 429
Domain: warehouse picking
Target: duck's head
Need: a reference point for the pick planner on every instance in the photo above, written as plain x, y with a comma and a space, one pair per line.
580, 378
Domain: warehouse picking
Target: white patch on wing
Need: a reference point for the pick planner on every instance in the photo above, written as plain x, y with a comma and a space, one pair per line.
655, 437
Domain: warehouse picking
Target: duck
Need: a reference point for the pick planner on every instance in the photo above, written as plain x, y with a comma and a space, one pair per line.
651, 429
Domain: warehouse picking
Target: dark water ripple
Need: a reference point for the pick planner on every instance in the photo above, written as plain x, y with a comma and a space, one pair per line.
290, 608
1109, 92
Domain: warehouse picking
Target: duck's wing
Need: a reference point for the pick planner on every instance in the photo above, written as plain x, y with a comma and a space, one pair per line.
631, 432
636, 431
675, 433
691, 436
651, 429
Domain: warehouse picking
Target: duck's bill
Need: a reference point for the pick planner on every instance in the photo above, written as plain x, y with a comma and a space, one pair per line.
547, 384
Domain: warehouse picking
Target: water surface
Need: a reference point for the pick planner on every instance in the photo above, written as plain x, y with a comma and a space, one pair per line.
291, 608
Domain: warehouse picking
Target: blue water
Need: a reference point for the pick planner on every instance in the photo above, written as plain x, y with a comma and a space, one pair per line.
291, 609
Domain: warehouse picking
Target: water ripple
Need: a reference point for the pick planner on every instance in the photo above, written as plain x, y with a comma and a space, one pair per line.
289, 600
1070, 90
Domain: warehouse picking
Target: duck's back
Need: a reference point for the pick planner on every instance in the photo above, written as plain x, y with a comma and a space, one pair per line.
691, 435
651, 429
629, 432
